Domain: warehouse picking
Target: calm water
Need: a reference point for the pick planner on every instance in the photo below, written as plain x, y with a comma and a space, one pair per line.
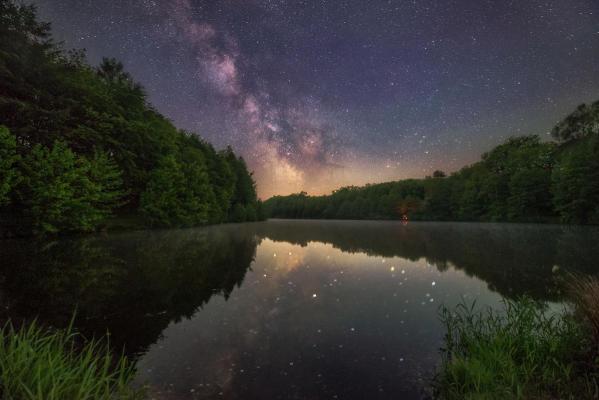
285, 309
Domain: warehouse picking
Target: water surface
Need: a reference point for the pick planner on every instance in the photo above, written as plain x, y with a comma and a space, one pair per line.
286, 309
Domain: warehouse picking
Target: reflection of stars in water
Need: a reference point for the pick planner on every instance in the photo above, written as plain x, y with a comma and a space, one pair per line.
324, 329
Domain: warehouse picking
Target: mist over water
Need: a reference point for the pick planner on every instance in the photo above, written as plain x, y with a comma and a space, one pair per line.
286, 309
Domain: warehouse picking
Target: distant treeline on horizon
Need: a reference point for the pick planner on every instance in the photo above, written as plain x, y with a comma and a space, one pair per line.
81, 149
521, 180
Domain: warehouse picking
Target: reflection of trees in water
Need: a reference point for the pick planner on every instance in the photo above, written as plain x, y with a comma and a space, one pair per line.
512, 259
135, 284
132, 285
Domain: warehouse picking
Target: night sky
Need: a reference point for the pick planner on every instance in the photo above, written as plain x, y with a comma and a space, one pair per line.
321, 94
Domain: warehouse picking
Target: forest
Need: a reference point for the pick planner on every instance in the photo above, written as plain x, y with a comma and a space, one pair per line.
525, 179
81, 148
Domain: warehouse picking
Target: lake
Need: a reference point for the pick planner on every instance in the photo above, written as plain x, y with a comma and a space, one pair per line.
286, 309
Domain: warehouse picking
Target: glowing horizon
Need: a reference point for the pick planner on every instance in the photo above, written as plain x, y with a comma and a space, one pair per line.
316, 96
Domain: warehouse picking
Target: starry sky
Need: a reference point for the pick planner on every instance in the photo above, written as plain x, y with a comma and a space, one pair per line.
318, 94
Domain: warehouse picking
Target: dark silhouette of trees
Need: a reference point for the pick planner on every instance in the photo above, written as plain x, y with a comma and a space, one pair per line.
575, 181
523, 179
582, 122
81, 148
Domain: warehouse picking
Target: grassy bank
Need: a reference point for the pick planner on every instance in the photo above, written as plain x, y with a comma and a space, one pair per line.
523, 351
36, 364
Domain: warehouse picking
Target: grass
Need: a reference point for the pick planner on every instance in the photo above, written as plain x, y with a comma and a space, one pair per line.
584, 293
37, 364
522, 351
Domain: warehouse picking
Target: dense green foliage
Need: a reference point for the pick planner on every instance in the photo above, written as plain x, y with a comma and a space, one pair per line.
521, 352
41, 365
9, 175
80, 145
523, 179
62, 191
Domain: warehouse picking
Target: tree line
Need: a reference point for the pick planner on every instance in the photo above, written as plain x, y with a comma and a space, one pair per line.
82, 149
524, 179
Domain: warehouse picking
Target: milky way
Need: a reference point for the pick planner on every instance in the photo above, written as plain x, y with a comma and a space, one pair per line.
321, 94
